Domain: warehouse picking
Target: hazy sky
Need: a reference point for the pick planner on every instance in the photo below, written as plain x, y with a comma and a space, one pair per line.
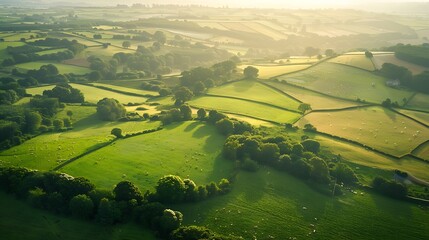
277, 3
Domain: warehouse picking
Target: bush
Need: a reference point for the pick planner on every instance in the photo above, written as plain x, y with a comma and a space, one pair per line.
81, 206
249, 165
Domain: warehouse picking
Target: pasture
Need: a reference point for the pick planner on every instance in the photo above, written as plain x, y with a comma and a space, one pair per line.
4, 45
21, 221
62, 68
316, 100
267, 198
372, 160
50, 51
359, 61
246, 108
380, 59
420, 101
266, 72
422, 151
46, 151
346, 82
252, 90
93, 94
375, 127
420, 116
190, 150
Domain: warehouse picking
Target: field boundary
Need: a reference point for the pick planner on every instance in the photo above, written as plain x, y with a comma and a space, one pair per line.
409, 117
118, 91
311, 65
280, 91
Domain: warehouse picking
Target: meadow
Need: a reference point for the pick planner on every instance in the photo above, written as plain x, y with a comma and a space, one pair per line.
419, 101
266, 72
273, 205
380, 59
381, 129
21, 221
252, 90
4, 45
422, 151
93, 94
316, 100
189, 150
62, 68
48, 150
359, 61
420, 116
246, 108
346, 82
127, 89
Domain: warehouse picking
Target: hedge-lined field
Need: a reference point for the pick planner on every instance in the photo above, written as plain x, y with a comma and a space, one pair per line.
62, 68
253, 90
189, 150
266, 72
346, 82
359, 61
244, 107
375, 127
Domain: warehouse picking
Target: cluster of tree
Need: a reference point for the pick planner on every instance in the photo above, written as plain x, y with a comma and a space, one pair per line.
45, 74
418, 54
251, 72
419, 82
183, 113
389, 104
102, 69
200, 78
72, 45
173, 189
197, 233
28, 53
11, 90
78, 197
389, 188
301, 159
65, 93
109, 109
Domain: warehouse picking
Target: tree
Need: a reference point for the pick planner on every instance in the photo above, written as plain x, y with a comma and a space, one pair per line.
269, 152
250, 72
368, 54
225, 126
170, 189
32, 121
186, 112
67, 122
81, 206
311, 51
126, 44
97, 36
70, 114
110, 109
329, 53
170, 220
108, 213
94, 76
304, 107
126, 191
117, 132
58, 124
201, 113
182, 95
230, 148
311, 145
160, 37
344, 174
319, 170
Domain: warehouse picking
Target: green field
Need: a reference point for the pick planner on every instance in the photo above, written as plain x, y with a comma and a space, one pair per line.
46, 151
4, 45
255, 91
190, 150
269, 205
346, 82
93, 94
420, 101
316, 100
266, 72
18, 220
420, 116
422, 151
50, 51
243, 107
359, 61
376, 127
380, 59
103, 52
364, 157
126, 89
62, 68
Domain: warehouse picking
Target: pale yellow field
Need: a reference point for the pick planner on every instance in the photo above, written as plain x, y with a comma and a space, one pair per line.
266, 72
380, 59
359, 61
